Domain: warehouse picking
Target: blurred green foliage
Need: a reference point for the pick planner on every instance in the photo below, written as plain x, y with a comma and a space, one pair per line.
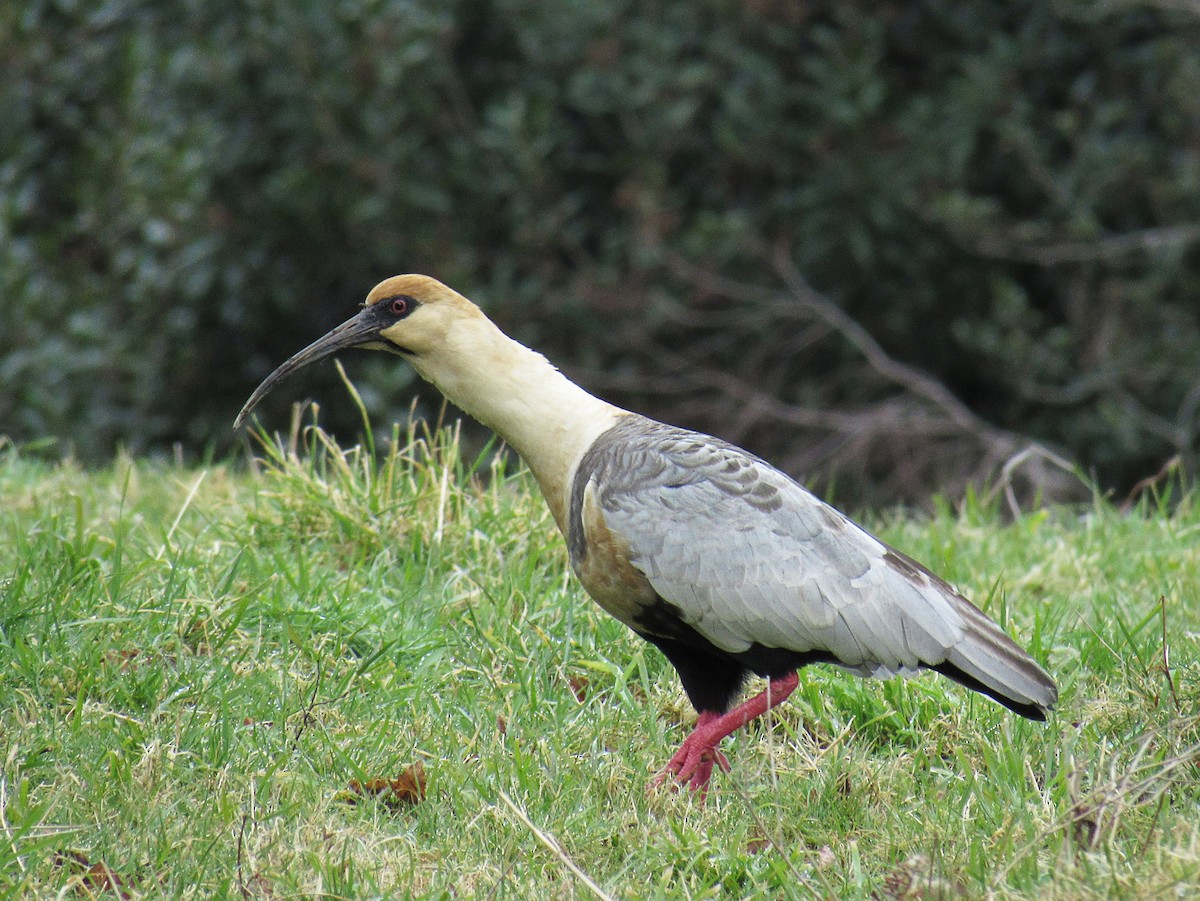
1006, 196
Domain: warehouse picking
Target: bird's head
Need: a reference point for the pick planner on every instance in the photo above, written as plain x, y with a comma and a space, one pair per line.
410, 315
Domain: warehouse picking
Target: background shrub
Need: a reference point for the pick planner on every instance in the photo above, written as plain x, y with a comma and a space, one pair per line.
883, 243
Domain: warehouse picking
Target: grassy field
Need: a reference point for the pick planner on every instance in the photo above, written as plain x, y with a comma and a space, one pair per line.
204, 674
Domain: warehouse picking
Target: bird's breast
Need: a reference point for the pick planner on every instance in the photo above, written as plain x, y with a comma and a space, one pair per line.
601, 560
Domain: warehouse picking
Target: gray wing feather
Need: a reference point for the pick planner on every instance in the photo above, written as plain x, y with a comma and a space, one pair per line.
749, 556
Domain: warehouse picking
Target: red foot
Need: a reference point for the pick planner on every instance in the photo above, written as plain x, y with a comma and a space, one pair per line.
693, 763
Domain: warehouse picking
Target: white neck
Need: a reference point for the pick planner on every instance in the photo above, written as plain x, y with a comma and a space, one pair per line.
548, 419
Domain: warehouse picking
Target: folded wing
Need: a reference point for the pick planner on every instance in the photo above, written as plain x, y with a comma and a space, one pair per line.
749, 557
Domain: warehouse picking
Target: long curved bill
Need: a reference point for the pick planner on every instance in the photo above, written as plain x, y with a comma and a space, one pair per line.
362, 330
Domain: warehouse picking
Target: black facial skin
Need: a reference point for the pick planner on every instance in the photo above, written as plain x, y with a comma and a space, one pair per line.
398, 306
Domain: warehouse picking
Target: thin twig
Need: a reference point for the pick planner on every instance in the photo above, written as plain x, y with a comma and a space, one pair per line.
1034, 452
306, 714
306, 717
1149, 482
556, 849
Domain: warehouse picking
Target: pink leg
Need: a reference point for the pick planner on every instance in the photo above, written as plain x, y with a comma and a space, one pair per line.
692, 764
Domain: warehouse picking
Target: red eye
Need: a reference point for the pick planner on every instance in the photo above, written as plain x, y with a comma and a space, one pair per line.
399, 306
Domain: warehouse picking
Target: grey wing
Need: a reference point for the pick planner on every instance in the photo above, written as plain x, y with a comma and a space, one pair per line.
749, 557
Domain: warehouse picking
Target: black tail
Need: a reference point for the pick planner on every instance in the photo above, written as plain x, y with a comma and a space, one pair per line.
1030, 711
990, 662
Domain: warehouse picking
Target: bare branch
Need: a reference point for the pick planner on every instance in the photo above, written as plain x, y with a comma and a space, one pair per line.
916, 381
999, 246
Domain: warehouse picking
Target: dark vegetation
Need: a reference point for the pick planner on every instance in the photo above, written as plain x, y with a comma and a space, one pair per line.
886, 244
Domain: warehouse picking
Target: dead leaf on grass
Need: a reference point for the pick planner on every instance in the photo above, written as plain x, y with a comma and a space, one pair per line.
757, 844
579, 687
93, 879
258, 886
405, 791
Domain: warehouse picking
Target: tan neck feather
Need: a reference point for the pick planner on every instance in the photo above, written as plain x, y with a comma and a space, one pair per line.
548, 419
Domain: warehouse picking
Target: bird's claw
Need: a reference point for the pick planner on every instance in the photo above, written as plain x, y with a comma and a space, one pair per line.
692, 766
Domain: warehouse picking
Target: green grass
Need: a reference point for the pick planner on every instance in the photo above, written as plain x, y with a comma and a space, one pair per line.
195, 663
